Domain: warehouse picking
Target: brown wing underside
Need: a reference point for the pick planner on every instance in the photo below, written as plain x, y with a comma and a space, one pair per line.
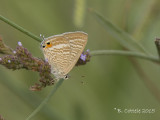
59, 54
66, 51
77, 41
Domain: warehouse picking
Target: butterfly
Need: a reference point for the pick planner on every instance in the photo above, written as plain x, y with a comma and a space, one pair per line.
63, 51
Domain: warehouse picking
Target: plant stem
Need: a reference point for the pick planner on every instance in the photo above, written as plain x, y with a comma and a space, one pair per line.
157, 43
125, 53
45, 100
20, 28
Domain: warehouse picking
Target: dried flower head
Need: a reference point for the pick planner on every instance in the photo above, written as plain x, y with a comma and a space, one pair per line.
1, 118
21, 58
9, 61
84, 58
19, 43
14, 51
4, 49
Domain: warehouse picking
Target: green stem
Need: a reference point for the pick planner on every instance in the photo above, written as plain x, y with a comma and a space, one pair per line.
125, 53
45, 100
20, 28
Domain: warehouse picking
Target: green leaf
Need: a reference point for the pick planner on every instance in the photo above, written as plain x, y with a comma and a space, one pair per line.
122, 37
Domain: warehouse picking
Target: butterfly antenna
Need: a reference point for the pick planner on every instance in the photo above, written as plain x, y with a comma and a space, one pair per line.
42, 37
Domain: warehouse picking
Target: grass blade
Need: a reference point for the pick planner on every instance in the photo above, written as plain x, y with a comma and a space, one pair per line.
122, 37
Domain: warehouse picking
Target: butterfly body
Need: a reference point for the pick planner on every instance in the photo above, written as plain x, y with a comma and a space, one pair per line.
63, 51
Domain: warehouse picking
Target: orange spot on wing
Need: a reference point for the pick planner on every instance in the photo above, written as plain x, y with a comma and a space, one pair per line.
48, 46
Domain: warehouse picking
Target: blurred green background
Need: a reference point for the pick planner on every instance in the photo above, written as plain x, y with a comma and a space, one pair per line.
110, 81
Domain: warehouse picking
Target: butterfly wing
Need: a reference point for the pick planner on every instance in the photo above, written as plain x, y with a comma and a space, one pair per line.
65, 51
77, 41
58, 55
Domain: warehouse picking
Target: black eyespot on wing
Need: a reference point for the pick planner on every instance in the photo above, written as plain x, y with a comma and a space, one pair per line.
66, 77
43, 46
48, 43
